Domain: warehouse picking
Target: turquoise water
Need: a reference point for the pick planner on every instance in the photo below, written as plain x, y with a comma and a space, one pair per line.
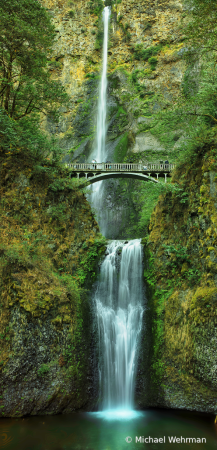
96, 431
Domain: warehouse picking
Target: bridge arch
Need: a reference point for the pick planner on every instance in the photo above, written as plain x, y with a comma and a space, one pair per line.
105, 176
93, 172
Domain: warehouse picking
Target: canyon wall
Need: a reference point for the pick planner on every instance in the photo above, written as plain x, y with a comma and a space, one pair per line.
181, 277
145, 72
50, 248
51, 244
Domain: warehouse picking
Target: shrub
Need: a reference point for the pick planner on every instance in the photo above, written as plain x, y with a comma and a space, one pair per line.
43, 369
99, 39
145, 54
96, 6
128, 36
153, 62
71, 13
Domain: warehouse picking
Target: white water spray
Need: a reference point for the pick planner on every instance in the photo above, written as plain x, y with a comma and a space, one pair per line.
96, 196
102, 110
119, 315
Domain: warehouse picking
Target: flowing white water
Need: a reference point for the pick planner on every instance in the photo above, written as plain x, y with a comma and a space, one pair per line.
99, 153
119, 300
101, 117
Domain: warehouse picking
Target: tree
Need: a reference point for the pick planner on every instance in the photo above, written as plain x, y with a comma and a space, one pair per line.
26, 37
192, 116
96, 6
201, 29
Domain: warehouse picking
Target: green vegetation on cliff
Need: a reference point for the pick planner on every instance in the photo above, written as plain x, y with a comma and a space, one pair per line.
25, 84
182, 242
50, 243
49, 249
190, 121
182, 287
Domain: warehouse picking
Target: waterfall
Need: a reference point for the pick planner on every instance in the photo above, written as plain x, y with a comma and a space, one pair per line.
99, 153
119, 294
119, 308
101, 116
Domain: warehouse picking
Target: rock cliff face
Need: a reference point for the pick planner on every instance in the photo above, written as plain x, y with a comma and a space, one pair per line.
139, 30
51, 245
145, 71
182, 287
49, 249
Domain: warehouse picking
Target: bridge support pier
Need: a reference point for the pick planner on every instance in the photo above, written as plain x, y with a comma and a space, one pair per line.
157, 175
149, 174
77, 175
165, 177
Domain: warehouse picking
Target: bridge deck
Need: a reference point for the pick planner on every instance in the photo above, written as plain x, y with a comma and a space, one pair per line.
120, 167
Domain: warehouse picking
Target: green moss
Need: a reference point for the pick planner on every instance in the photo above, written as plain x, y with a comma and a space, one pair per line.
71, 13
121, 149
181, 285
43, 370
144, 54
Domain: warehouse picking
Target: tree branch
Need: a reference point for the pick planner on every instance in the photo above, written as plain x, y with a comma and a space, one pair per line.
203, 115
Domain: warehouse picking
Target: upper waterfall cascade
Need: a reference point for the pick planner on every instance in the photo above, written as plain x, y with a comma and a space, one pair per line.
102, 110
99, 153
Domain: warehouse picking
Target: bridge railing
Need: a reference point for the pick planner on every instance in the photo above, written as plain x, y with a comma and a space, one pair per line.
121, 166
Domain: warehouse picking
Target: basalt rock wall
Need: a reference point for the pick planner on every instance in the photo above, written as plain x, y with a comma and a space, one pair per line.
181, 278
145, 72
50, 248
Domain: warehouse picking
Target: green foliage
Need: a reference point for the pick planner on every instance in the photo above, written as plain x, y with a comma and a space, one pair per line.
144, 54
153, 62
183, 196
71, 13
90, 75
195, 110
96, 6
120, 111
125, 29
58, 212
128, 36
121, 149
177, 256
99, 39
43, 370
200, 30
141, 88
147, 196
134, 75
88, 261
158, 298
25, 136
25, 84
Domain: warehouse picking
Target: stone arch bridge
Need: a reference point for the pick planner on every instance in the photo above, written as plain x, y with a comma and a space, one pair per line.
93, 172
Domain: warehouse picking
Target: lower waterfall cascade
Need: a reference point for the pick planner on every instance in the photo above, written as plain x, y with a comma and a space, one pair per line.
119, 308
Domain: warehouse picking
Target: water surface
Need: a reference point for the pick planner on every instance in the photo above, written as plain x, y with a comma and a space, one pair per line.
90, 431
